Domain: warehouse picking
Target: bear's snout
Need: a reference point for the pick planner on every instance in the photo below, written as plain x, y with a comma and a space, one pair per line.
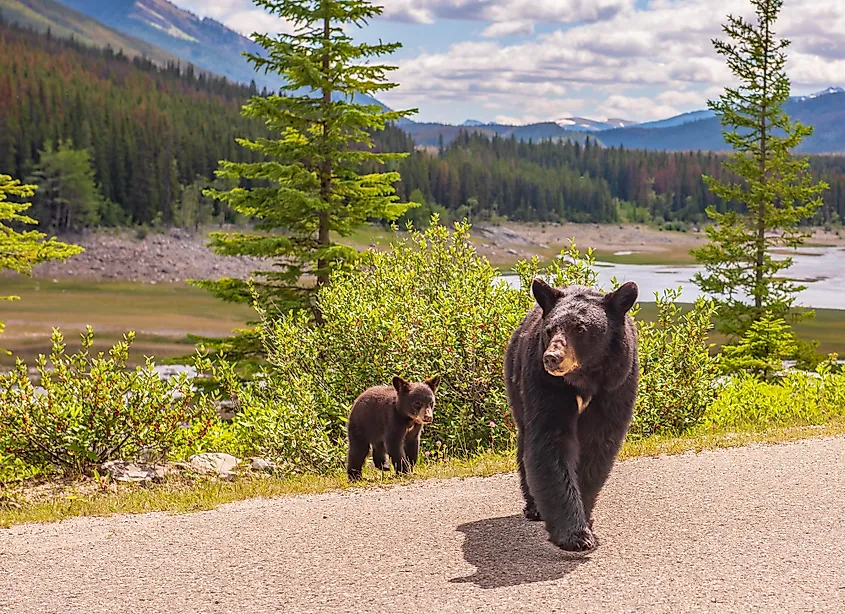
428, 415
551, 360
559, 358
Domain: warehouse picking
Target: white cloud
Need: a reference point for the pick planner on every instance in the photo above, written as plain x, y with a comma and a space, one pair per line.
256, 20
638, 108
639, 64
608, 58
504, 11
240, 15
508, 28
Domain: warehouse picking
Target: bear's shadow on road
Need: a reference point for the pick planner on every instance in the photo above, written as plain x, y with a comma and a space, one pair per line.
510, 551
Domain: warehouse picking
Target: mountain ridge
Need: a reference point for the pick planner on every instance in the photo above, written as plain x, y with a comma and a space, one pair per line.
201, 41
65, 22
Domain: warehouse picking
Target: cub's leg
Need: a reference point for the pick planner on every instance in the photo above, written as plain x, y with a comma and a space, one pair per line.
380, 457
358, 450
412, 445
395, 443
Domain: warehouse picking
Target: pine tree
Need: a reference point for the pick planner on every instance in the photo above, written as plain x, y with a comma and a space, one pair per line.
21, 251
309, 188
774, 191
68, 197
761, 349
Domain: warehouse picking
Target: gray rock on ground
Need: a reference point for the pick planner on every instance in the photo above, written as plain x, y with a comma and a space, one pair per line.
126, 471
217, 463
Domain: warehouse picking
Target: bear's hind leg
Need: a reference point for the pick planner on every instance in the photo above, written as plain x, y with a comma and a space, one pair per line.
358, 450
380, 457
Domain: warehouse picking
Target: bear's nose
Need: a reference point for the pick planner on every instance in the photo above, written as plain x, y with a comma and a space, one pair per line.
551, 360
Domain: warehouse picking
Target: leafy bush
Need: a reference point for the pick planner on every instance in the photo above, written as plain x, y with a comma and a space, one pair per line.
429, 305
93, 409
677, 372
799, 398
282, 421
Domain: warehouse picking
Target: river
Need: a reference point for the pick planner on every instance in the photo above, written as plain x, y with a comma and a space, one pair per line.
821, 269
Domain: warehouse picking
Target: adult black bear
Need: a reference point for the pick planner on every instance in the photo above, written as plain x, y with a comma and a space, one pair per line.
571, 373
390, 419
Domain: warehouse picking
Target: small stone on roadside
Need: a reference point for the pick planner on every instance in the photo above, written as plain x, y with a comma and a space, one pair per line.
125, 471
214, 462
260, 464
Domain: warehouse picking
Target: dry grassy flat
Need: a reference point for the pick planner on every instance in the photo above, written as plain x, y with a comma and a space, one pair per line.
160, 314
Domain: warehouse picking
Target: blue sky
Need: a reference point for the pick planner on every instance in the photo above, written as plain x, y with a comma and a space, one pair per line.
522, 61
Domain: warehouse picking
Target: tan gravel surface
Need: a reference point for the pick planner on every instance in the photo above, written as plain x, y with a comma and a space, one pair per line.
757, 529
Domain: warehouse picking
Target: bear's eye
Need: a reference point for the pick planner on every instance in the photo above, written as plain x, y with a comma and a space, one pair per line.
581, 328
417, 405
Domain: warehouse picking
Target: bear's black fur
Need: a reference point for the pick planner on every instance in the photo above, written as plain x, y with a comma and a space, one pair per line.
390, 419
571, 373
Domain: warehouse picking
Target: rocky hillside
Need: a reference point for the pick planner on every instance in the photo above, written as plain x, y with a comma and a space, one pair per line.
171, 257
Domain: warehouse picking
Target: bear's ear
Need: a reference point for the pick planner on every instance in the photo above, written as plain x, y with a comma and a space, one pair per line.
402, 386
433, 383
623, 298
546, 295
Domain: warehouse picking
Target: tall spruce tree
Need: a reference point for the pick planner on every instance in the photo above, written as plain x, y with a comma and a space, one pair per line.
773, 192
21, 251
309, 187
68, 197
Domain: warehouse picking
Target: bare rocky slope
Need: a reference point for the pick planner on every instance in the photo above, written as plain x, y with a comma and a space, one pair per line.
172, 256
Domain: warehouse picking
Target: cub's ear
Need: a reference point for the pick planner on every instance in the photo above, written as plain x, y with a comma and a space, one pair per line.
546, 295
623, 298
401, 385
433, 383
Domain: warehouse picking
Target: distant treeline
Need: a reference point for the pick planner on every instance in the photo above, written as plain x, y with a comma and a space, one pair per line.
583, 182
149, 138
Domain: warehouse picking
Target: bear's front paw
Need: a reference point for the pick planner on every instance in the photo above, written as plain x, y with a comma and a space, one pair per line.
531, 512
385, 466
575, 541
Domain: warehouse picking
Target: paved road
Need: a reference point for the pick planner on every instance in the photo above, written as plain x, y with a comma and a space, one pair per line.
759, 529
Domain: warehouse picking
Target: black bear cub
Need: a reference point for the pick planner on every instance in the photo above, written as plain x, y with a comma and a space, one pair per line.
391, 420
571, 372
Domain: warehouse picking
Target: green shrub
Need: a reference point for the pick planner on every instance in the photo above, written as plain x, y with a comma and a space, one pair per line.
93, 409
429, 305
677, 372
799, 398
761, 350
279, 418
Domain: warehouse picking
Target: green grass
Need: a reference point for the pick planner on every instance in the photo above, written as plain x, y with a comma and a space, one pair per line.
362, 238
163, 314
365, 237
160, 314
674, 255
184, 496
828, 328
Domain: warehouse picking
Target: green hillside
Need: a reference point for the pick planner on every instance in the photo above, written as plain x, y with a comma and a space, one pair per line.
64, 22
